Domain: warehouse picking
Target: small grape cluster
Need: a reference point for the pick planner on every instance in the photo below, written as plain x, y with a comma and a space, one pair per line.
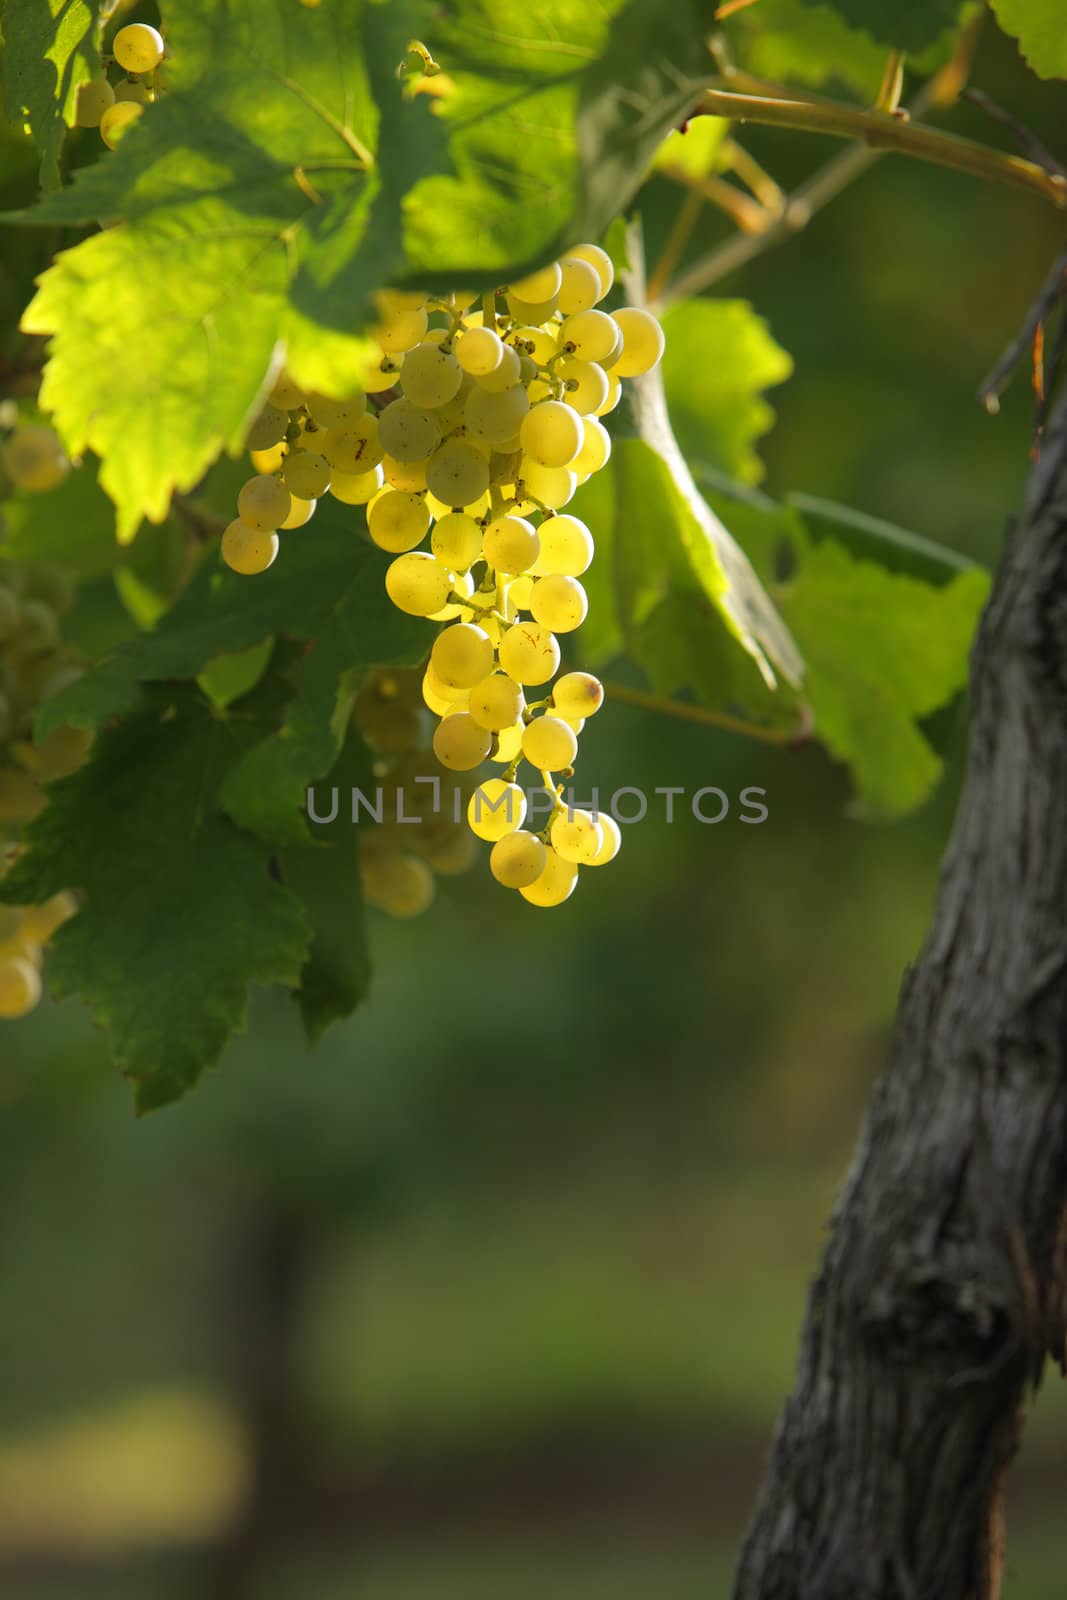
24, 935
113, 106
476, 427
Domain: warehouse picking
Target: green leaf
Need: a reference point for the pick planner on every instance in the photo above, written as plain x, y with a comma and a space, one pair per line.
720, 356
72, 525
181, 913
873, 539
1041, 29
906, 24
793, 41
228, 677
285, 175
694, 153
51, 47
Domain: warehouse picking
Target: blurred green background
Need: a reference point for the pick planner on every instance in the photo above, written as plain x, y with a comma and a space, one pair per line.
497, 1293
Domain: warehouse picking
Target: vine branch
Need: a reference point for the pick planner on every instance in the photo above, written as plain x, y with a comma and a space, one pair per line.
788, 737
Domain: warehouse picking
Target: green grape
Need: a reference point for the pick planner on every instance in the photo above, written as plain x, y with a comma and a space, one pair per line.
37, 627
34, 459
552, 487
533, 312
614, 396
355, 449
495, 416
456, 854
117, 121
596, 448
590, 335
286, 395
559, 603
398, 521
60, 753
264, 504
403, 320
535, 342
456, 540
495, 808
269, 461
430, 376
556, 883
355, 489
407, 475
587, 384
450, 416
580, 286
20, 986
540, 285
611, 359
94, 98
462, 584
460, 744
508, 744
612, 841
418, 584
408, 432
520, 589
600, 260
138, 47
462, 655
268, 429
551, 434
441, 698
479, 351
549, 744
134, 90
398, 883
248, 550
577, 694
497, 702
335, 415
576, 835
518, 859
457, 473
510, 544
529, 653
300, 514
566, 549
506, 376
306, 474
643, 342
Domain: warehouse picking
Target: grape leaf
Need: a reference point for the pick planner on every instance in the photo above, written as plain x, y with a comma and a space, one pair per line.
1041, 29
906, 24
51, 47
805, 42
180, 910
285, 175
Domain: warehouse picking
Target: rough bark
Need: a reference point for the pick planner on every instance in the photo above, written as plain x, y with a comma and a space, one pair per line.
944, 1283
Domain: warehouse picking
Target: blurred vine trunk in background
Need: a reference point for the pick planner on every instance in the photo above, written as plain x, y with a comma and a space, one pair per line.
944, 1283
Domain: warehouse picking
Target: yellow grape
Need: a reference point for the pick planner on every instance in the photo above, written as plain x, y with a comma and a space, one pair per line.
510, 544
398, 521
20, 986
479, 351
117, 121
355, 449
590, 336
355, 489
643, 342
518, 859
408, 432
549, 744
551, 433
497, 702
495, 808
556, 883
263, 503
559, 603
612, 841
138, 47
529, 653
430, 375
599, 259
418, 584
462, 655
34, 459
576, 835
580, 287
457, 473
94, 98
248, 550
540, 285
456, 540
306, 474
577, 694
460, 743
566, 549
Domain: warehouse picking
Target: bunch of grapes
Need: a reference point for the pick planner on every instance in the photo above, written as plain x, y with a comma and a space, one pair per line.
114, 105
478, 423
24, 935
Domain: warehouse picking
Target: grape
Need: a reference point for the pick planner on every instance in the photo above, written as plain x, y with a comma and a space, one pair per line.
612, 357
335, 414
596, 448
408, 432
457, 854
94, 98
535, 342
520, 589
508, 744
643, 342
577, 694
576, 835
518, 859
355, 449
479, 351
612, 840
549, 743
430, 375
497, 702
580, 287
495, 808
268, 428
456, 540
591, 335
138, 47
398, 521
457, 473
403, 320
601, 261
264, 504
248, 550
388, 725
407, 475
39, 923
133, 90
269, 461
550, 486
510, 544
539, 285
462, 584
462, 655
529, 653
20, 986
306, 474
614, 396
301, 513
383, 376
506, 375
34, 459
566, 548
556, 883
531, 311
460, 744
559, 603
477, 509
37, 627
117, 121
418, 584
587, 384
355, 489
441, 698
551, 434
405, 890
495, 415
286, 395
